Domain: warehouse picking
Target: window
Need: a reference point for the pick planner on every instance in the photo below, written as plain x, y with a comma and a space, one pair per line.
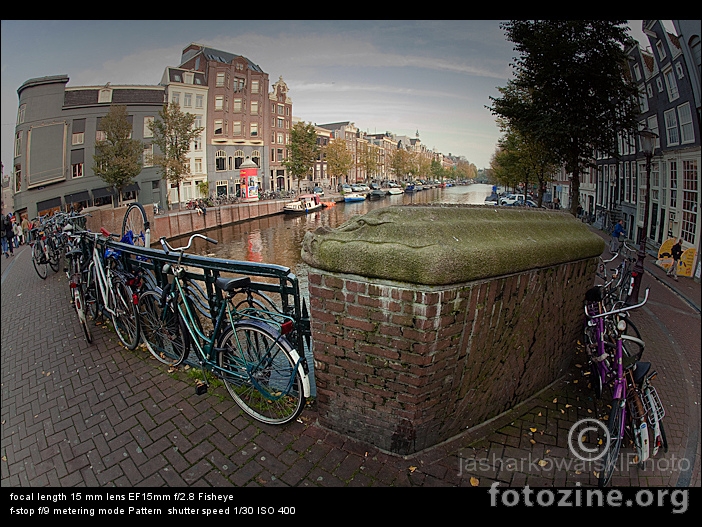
673, 173
20, 113
637, 72
218, 129
254, 107
687, 131
197, 143
690, 199
77, 170
148, 155
661, 49
77, 138
100, 135
254, 129
219, 102
679, 70
655, 181
643, 100
148, 123
198, 101
220, 160
220, 79
281, 123
237, 105
18, 178
175, 98
238, 158
188, 78
671, 84
198, 165
188, 100
254, 86
105, 96
18, 144
671, 127
280, 139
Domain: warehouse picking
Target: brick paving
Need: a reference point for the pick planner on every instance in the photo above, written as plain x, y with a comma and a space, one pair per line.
97, 415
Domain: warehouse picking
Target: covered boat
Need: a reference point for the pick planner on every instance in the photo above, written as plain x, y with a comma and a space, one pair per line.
304, 204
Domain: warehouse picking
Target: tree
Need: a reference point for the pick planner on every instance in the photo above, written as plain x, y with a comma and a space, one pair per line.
118, 158
173, 132
339, 159
401, 163
571, 92
369, 159
302, 151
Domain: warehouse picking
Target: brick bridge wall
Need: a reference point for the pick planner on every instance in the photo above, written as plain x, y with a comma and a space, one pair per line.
405, 366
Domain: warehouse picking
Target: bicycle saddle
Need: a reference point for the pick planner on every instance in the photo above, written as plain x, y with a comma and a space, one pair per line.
230, 284
640, 371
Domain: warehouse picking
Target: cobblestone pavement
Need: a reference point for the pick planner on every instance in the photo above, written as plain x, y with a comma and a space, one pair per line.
79, 414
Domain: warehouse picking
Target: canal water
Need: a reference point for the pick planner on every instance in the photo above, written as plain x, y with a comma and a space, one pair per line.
278, 239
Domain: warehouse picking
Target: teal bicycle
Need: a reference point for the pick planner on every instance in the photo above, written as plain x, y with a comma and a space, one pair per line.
243, 344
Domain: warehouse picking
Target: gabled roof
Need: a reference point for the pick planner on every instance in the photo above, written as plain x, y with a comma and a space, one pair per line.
215, 55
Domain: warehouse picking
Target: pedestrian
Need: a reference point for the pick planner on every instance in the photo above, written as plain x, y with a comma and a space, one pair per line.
17, 231
201, 206
26, 227
677, 253
616, 233
8, 234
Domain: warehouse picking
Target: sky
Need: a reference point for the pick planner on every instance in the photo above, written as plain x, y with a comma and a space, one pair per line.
433, 77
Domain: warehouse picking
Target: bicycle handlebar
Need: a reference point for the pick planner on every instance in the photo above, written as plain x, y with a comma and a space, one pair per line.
615, 311
167, 246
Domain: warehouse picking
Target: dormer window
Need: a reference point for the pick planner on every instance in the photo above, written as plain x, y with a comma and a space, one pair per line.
105, 96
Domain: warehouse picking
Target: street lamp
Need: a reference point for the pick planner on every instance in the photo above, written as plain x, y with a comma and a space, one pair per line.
648, 145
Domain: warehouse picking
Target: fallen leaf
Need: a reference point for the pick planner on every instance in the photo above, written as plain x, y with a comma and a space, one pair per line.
533, 429
543, 463
569, 405
532, 441
555, 400
474, 481
412, 469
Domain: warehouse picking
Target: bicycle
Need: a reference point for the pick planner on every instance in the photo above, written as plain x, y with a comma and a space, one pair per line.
634, 400
110, 289
246, 347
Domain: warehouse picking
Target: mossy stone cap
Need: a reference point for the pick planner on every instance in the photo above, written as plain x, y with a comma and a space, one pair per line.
447, 244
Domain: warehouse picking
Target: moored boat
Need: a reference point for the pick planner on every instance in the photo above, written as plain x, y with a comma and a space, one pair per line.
354, 197
304, 204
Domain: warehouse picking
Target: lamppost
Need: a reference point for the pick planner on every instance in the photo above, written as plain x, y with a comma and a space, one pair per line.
648, 145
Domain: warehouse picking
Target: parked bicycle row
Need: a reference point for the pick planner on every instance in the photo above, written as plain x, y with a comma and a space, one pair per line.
617, 373
175, 303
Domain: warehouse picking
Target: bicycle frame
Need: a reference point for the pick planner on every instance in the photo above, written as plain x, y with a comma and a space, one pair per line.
103, 279
205, 346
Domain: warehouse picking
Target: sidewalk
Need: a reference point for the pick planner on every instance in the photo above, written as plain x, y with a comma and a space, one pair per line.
79, 414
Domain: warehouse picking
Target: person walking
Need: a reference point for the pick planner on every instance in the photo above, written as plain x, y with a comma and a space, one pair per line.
8, 236
616, 233
676, 251
26, 227
17, 230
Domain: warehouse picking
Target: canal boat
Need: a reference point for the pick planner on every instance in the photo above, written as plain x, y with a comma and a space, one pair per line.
304, 204
354, 196
410, 188
376, 194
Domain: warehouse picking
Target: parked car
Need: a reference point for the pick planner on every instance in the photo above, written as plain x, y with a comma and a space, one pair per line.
345, 189
511, 199
319, 191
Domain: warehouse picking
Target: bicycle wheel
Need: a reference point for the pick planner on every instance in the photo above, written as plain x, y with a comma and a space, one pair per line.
78, 293
81, 310
162, 329
126, 317
260, 373
135, 220
41, 266
54, 255
631, 348
93, 305
615, 426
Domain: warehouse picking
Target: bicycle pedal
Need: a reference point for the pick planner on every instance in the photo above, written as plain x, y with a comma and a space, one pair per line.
201, 388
